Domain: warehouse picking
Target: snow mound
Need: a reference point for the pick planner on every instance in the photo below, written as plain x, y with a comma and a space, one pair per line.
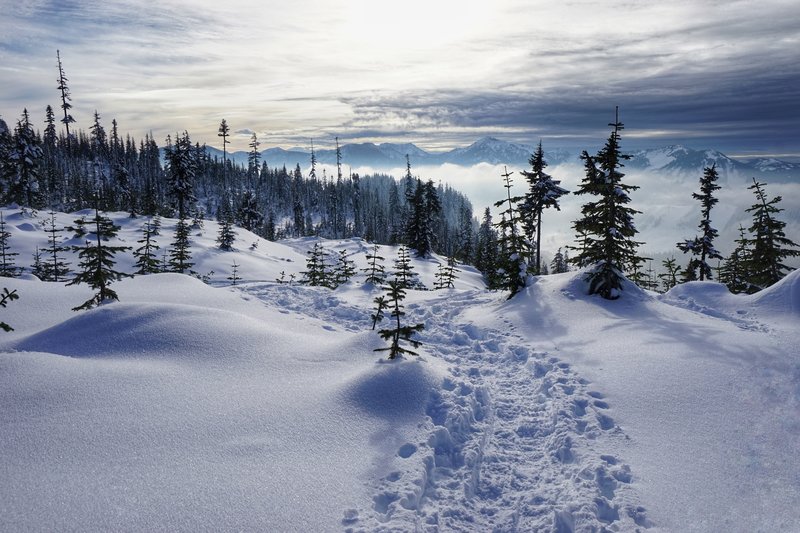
161, 331
398, 389
783, 298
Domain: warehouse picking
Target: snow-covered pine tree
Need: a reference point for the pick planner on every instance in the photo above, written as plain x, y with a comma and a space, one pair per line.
344, 269
22, 167
559, 263
606, 229
400, 333
375, 271
55, 268
487, 251
543, 192
7, 267
226, 236
424, 208
97, 262
248, 215
703, 245
512, 268
180, 254
5, 297
146, 258
181, 170
769, 246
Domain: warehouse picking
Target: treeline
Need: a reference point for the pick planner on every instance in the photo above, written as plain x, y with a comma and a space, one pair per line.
101, 169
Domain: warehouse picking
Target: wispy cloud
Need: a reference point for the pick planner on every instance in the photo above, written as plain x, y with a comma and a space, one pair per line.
440, 72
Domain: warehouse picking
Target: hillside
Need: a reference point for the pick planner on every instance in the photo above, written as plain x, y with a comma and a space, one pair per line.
264, 407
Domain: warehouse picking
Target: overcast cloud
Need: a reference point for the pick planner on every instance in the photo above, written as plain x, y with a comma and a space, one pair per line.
720, 75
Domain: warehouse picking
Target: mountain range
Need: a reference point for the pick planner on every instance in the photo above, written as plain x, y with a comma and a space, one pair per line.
674, 159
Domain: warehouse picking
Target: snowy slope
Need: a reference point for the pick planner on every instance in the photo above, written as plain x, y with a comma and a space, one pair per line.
263, 407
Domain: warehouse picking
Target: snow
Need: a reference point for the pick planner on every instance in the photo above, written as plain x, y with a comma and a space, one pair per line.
263, 406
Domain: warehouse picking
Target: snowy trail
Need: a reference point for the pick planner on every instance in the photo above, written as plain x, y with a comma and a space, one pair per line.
514, 440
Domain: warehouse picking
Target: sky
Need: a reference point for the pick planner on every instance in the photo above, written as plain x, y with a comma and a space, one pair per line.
439, 73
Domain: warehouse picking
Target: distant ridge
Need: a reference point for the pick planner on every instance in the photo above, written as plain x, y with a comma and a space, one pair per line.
676, 160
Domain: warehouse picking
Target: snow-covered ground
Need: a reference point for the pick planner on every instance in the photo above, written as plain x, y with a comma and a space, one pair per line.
263, 407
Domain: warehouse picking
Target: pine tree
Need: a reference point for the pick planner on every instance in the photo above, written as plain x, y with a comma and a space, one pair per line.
180, 255
316, 273
381, 305
234, 277
669, 278
376, 273
344, 269
224, 132
146, 259
512, 269
253, 157
22, 168
37, 269
97, 262
181, 170
55, 268
6, 297
703, 245
226, 236
400, 333
733, 272
446, 274
404, 273
7, 267
486, 252
65, 96
769, 246
543, 192
559, 264
606, 230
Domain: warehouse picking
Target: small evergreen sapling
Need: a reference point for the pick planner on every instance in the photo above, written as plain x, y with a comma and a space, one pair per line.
180, 255
55, 268
37, 269
344, 269
512, 268
733, 272
316, 273
226, 236
6, 297
400, 333
446, 274
376, 273
97, 262
381, 304
669, 278
404, 271
146, 259
233, 278
7, 267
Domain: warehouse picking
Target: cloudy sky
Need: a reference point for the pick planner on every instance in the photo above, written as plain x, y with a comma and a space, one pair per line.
440, 73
